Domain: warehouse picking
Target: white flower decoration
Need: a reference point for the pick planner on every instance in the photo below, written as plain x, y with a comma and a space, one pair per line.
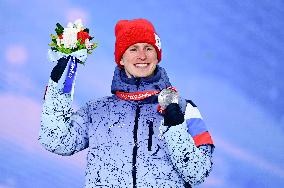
70, 25
88, 44
78, 24
70, 38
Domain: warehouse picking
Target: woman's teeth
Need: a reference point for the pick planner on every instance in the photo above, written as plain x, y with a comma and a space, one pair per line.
141, 65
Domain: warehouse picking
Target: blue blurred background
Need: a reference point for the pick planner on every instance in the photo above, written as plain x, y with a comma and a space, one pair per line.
226, 56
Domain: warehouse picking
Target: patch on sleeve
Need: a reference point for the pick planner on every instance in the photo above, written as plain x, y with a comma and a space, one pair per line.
203, 138
196, 126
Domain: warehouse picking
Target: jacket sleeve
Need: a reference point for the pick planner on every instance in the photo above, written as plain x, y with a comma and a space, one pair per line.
190, 146
62, 131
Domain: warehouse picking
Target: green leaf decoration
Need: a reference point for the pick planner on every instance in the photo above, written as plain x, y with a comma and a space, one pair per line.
53, 36
52, 44
59, 29
54, 40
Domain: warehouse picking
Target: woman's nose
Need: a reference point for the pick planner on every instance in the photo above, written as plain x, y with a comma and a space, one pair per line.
142, 55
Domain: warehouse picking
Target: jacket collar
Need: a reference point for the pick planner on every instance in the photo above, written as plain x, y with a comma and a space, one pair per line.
121, 82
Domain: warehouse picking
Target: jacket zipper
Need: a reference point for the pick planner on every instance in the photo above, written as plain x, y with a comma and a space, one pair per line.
135, 147
135, 132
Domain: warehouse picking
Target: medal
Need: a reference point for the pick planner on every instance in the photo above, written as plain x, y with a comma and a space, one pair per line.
167, 96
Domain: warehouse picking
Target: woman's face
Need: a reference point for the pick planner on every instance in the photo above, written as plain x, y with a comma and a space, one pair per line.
139, 60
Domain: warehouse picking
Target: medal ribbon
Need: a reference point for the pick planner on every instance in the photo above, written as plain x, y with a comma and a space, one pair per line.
140, 95
136, 96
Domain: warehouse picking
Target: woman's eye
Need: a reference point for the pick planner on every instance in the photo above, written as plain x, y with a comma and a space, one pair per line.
132, 49
149, 49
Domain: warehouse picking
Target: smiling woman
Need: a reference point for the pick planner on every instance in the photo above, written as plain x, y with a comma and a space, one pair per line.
130, 142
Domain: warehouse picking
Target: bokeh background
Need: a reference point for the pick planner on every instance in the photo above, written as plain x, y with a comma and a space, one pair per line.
226, 56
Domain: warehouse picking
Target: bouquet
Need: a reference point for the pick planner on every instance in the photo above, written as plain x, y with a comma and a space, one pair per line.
74, 42
72, 39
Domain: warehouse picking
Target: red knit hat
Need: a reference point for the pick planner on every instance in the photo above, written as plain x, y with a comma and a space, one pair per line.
129, 32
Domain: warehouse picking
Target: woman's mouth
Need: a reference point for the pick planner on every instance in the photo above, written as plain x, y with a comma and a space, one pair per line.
141, 65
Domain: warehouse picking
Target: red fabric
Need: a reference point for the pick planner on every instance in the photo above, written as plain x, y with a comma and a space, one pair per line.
203, 138
172, 88
136, 96
160, 109
129, 32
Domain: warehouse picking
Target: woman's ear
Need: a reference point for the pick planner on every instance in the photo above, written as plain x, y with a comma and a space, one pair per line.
121, 61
